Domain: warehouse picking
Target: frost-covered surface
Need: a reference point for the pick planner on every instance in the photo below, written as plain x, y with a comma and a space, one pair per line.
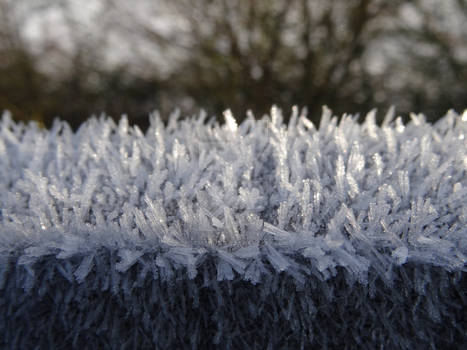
202, 205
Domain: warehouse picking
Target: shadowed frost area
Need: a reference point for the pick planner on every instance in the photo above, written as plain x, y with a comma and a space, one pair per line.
258, 235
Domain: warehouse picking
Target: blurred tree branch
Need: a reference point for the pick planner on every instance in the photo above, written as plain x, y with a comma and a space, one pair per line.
239, 54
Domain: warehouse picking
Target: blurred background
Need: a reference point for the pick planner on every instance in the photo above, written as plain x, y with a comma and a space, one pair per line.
73, 58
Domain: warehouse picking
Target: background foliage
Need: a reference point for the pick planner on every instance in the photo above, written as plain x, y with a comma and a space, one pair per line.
73, 59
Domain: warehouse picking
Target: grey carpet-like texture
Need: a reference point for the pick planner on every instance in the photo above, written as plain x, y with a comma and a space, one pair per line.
254, 236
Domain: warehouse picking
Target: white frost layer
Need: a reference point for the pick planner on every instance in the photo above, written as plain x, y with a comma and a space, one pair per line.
257, 195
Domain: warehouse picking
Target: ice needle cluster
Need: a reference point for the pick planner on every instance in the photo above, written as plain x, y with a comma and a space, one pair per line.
260, 198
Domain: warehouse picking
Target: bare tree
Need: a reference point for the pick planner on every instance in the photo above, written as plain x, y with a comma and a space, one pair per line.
250, 54
434, 57
239, 54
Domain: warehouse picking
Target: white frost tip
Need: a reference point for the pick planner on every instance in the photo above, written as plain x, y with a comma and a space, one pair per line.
230, 120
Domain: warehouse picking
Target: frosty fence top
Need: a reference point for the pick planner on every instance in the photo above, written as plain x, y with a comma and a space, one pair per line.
256, 195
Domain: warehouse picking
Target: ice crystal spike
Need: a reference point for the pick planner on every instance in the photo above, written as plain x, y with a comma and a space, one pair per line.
230, 120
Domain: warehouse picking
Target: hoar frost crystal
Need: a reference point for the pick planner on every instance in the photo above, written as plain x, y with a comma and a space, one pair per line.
256, 235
